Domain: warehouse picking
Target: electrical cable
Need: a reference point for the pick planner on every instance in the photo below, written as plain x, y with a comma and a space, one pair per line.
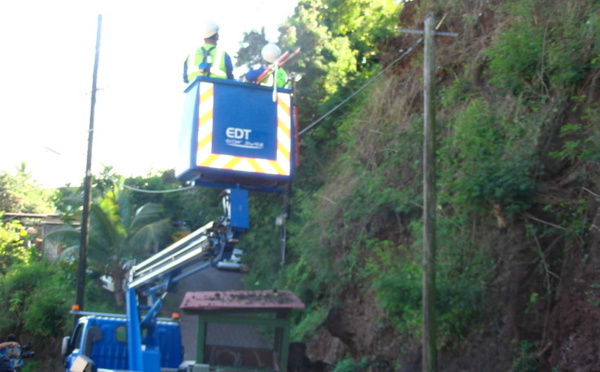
363, 87
153, 191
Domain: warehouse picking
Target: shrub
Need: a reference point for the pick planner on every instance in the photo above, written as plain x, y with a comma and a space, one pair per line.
545, 47
13, 249
580, 139
37, 295
484, 162
349, 365
514, 59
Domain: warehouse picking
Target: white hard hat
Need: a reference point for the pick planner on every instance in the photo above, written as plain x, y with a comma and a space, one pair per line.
270, 52
209, 29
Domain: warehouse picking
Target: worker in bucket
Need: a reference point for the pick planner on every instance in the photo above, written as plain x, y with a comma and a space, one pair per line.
270, 53
208, 60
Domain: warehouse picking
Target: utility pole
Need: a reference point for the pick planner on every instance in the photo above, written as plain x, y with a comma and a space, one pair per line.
429, 201
87, 184
429, 318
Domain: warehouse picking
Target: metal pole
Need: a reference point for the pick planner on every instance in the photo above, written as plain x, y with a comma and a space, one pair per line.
87, 188
429, 194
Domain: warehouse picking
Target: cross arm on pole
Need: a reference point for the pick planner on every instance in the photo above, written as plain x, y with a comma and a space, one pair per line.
436, 33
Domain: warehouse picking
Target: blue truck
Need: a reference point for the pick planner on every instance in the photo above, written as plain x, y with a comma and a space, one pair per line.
236, 136
139, 340
103, 339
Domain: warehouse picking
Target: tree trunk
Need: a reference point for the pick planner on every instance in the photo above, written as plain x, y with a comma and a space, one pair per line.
118, 280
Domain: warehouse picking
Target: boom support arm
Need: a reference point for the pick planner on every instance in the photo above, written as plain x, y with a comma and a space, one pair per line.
156, 275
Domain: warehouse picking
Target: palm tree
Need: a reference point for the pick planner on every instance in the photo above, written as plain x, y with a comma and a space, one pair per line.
118, 235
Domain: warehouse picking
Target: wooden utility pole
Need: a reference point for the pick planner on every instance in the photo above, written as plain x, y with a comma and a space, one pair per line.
429, 318
429, 195
87, 184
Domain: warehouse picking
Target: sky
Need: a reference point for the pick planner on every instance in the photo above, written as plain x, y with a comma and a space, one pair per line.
47, 51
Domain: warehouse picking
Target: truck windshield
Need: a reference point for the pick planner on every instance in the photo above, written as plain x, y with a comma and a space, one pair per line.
76, 340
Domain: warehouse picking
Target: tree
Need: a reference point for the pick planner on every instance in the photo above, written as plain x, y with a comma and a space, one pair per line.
35, 295
13, 247
194, 207
20, 194
118, 235
366, 23
251, 46
326, 59
69, 199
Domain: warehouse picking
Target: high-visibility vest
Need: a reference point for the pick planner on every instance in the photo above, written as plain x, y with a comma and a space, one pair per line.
210, 54
282, 79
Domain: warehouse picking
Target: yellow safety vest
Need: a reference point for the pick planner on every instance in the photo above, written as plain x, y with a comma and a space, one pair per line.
215, 57
282, 79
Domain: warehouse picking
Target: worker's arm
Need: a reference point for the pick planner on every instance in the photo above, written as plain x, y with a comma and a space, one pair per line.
9, 344
253, 74
228, 66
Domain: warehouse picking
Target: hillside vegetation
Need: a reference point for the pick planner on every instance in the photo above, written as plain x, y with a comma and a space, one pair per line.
518, 157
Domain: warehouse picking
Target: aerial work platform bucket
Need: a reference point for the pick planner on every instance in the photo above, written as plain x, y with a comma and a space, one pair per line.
233, 133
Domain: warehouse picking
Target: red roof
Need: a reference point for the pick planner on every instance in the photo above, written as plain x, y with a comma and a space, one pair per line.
242, 300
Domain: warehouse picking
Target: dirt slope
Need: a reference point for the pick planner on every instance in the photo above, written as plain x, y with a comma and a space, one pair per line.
543, 307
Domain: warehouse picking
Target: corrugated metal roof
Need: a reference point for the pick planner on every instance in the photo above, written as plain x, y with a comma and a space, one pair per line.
242, 300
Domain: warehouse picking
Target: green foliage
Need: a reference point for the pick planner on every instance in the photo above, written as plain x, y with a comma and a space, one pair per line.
462, 269
357, 196
534, 298
581, 140
455, 94
363, 199
13, 245
575, 148
189, 208
310, 322
308, 262
484, 161
19, 193
464, 266
399, 293
592, 295
571, 43
365, 23
69, 203
118, 234
525, 357
192, 208
262, 243
514, 59
325, 59
37, 295
572, 220
250, 52
31, 366
544, 47
375, 194
69, 199
46, 313
349, 365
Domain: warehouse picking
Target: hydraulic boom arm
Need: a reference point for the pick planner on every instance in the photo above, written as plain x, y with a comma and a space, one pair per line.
155, 276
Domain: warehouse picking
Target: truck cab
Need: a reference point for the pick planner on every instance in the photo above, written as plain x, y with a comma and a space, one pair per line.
102, 338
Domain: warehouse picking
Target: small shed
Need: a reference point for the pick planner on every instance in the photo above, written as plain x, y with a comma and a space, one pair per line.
243, 330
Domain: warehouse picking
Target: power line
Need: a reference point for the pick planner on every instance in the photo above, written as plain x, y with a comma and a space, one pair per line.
153, 191
363, 87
